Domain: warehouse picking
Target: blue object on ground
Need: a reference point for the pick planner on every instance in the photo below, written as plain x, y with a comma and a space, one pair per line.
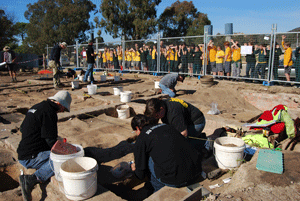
199, 77
77, 69
270, 161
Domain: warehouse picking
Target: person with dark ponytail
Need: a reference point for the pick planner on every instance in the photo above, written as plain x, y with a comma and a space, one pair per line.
161, 150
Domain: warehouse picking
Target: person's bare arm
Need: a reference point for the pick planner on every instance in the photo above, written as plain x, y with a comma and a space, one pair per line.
184, 133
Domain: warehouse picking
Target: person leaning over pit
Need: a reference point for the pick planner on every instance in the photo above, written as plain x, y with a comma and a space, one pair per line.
161, 150
185, 117
39, 134
168, 83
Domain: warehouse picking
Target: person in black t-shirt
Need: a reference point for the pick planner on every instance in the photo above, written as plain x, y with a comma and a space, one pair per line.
71, 73
185, 117
90, 61
39, 134
161, 150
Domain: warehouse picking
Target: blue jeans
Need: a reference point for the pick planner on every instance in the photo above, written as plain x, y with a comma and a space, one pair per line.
89, 72
156, 182
250, 66
42, 164
166, 90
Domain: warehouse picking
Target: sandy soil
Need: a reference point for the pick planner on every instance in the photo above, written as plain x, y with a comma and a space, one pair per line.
105, 134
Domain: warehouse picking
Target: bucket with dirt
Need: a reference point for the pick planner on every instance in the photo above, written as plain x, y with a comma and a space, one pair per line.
79, 176
125, 96
117, 90
75, 84
156, 85
103, 78
229, 152
92, 89
123, 112
58, 159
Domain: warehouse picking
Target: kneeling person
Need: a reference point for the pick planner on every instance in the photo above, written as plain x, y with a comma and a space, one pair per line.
39, 134
168, 83
163, 151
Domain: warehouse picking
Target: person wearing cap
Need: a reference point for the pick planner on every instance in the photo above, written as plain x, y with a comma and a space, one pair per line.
90, 61
39, 134
9, 57
54, 63
168, 83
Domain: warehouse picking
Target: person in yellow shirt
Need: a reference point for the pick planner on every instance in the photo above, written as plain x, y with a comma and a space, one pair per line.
212, 49
104, 56
287, 60
227, 58
170, 58
111, 58
236, 58
154, 58
120, 55
127, 58
219, 61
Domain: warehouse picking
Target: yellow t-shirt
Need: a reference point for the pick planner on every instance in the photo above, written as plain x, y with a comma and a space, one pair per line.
220, 60
120, 56
228, 52
212, 53
176, 56
128, 56
287, 59
153, 54
107, 56
236, 55
137, 56
104, 57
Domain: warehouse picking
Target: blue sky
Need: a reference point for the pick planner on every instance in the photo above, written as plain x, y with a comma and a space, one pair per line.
256, 16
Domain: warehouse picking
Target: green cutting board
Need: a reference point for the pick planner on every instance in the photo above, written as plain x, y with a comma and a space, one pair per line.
270, 161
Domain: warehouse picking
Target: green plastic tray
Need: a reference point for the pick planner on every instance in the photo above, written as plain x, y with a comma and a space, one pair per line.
270, 161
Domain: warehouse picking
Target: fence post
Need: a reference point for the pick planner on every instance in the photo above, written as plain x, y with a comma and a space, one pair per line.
272, 52
97, 53
48, 53
205, 50
158, 52
123, 52
76, 55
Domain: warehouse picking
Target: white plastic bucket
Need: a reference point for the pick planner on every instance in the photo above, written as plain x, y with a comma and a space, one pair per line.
79, 177
123, 112
80, 77
156, 85
116, 78
125, 96
75, 84
103, 78
117, 90
58, 159
92, 89
229, 157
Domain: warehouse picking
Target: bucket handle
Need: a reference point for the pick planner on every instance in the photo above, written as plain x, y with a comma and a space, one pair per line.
82, 194
52, 168
221, 162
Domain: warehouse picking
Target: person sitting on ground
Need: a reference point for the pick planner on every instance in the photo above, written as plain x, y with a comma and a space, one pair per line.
185, 117
9, 57
168, 83
39, 134
161, 150
71, 73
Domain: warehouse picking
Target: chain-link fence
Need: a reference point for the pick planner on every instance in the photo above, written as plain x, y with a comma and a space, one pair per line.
247, 57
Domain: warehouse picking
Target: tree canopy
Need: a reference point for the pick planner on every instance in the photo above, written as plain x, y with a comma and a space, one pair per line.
135, 19
7, 31
182, 19
53, 21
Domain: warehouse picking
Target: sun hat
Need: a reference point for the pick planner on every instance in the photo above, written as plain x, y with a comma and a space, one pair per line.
6, 48
64, 44
64, 98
